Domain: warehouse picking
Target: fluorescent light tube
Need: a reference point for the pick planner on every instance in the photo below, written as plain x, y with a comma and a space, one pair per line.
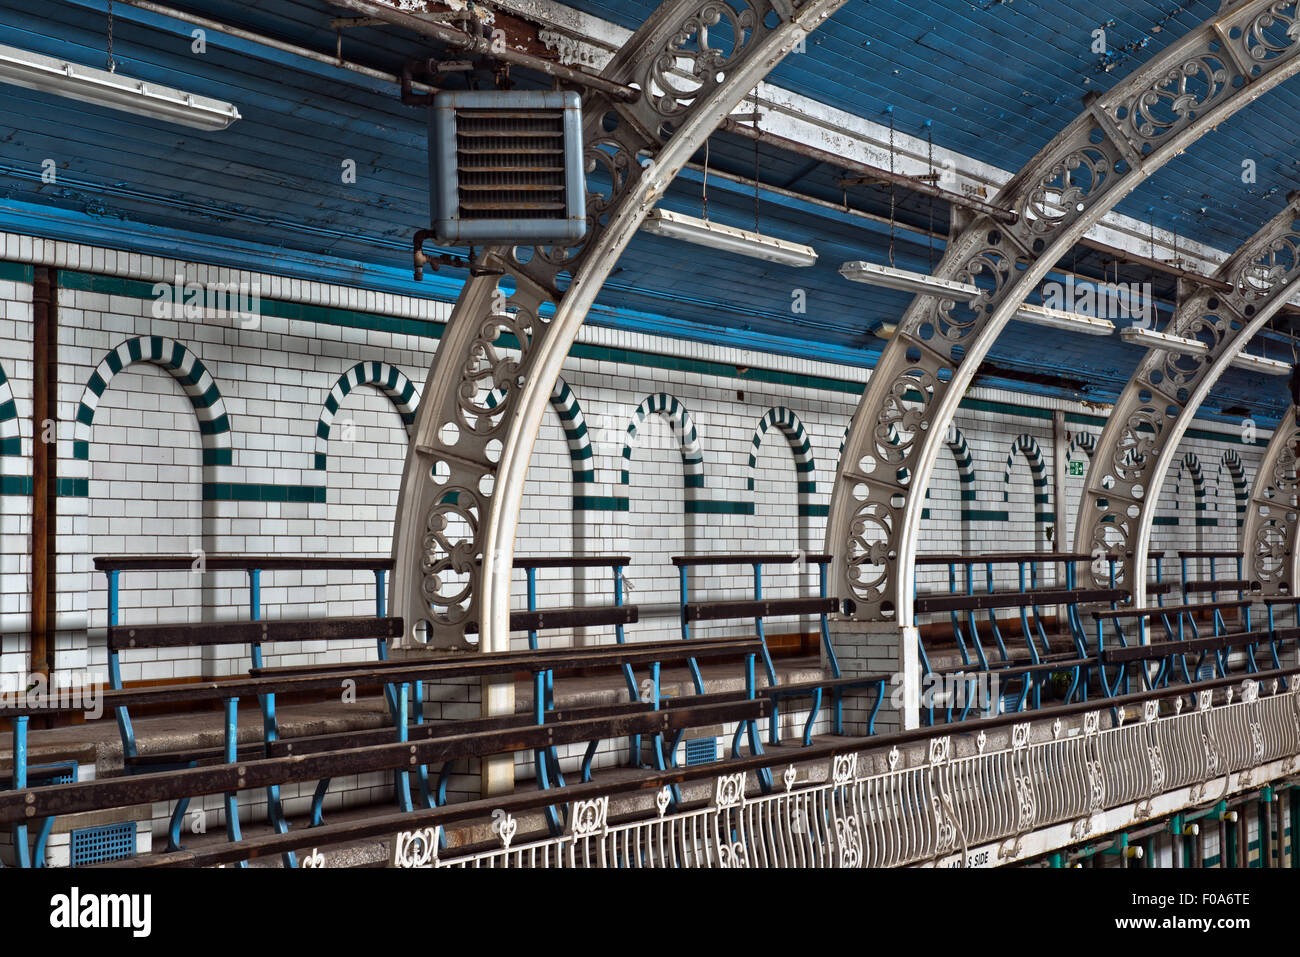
1168, 341
1069, 321
924, 285
903, 280
50, 75
1262, 364
1154, 339
702, 232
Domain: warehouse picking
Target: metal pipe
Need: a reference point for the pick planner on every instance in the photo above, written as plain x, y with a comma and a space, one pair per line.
42, 617
269, 42
926, 189
486, 47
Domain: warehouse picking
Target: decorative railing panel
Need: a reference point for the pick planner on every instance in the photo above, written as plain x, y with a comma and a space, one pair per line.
868, 809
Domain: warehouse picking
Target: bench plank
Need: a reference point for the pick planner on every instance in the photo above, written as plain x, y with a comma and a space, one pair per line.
1003, 599
249, 632
756, 608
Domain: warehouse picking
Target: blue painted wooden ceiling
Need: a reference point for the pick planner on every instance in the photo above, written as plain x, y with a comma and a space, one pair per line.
996, 80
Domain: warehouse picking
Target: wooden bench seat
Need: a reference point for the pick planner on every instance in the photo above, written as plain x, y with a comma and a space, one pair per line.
1005, 599
1152, 611
544, 619
1234, 584
760, 608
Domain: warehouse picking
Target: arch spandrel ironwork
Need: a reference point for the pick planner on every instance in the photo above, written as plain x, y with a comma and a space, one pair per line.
693, 60
1146, 424
1269, 533
1121, 138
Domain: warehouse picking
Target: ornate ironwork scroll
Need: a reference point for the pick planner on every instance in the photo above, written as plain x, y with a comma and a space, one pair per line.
508, 336
1153, 412
1122, 137
1268, 534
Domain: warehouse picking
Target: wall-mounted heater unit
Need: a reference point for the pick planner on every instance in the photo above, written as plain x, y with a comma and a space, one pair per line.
506, 167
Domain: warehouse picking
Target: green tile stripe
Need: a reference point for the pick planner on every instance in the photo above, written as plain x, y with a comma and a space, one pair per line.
113, 285
17, 272
600, 503
15, 485
190, 374
388, 379
241, 492
712, 507
683, 425
216, 491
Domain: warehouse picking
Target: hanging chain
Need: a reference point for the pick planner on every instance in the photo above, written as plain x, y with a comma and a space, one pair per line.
929, 129
704, 190
112, 64
756, 159
892, 203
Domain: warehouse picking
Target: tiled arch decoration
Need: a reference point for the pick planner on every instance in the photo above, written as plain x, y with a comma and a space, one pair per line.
684, 427
804, 461
388, 379
1240, 490
188, 371
1026, 445
10, 434
565, 403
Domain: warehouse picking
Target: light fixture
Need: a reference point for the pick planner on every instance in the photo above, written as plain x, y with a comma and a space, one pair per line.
921, 284
1059, 319
873, 274
62, 78
1262, 364
1155, 339
743, 242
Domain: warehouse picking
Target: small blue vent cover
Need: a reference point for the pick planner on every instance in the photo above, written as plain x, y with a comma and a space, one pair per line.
506, 167
92, 845
701, 750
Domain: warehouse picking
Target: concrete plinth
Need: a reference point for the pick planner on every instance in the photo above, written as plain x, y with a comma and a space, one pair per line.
878, 647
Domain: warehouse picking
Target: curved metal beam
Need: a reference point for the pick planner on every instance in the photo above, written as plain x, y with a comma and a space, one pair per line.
1122, 137
1268, 535
1147, 422
693, 60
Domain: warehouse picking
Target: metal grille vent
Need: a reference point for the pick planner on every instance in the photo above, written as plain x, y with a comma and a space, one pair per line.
506, 167
701, 751
112, 842
510, 164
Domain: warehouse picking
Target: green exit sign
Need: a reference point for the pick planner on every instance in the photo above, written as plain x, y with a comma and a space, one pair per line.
1076, 468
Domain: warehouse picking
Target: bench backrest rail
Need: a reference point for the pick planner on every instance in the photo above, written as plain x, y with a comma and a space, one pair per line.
757, 561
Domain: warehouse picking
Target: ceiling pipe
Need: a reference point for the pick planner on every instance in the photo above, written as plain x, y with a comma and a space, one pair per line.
999, 213
485, 47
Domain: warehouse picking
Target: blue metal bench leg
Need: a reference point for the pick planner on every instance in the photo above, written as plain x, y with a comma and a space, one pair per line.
587, 757
318, 802
42, 838
403, 780
174, 825
812, 717
22, 856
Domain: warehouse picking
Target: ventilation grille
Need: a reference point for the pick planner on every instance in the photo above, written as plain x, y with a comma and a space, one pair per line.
93, 845
506, 167
701, 751
510, 164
